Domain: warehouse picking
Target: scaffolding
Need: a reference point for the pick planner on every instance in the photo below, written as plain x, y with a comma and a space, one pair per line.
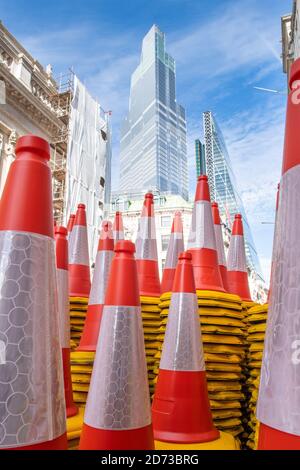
61, 103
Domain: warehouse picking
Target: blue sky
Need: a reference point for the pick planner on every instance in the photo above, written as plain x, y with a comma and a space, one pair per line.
222, 48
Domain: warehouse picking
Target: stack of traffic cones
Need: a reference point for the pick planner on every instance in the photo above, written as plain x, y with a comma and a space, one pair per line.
81, 369
64, 321
257, 321
104, 258
148, 274
83, 358
118, 228
236, 264
33, 414
238, 284
223, 329
79, 275
175, 247
117, 414
221, 317
278, 406
220, 244
188, 422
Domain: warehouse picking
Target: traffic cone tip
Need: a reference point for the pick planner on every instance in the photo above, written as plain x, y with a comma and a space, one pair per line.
33, 144
59, 229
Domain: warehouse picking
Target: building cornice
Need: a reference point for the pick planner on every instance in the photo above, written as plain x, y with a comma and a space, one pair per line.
23, 100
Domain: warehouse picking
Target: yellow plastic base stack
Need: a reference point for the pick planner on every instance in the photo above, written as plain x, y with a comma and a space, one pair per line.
74, 426
78, 309
151, 324
257, 322
81, 370
225, 442
223, 334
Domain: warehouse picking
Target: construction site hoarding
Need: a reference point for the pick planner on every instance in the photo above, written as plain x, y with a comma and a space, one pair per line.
86, 161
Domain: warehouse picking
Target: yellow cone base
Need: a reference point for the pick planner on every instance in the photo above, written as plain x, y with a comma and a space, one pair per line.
74, 426
224, 334
151, 324
256, 323
225, 442
78, 310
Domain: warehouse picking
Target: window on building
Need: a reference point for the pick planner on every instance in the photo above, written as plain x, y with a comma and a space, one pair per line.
165, 242
165, 221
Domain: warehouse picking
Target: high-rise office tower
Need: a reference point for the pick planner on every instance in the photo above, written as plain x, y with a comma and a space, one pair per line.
200, 157
222, 184
153, 135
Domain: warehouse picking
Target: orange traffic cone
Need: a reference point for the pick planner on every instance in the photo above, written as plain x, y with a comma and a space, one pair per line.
79, 269
181, 410
118, 228
31, 380
236, 262
278, 407
175, 247
117, 414
64, 316
202, 241
146, 251
220, 244
104, 258
71, 223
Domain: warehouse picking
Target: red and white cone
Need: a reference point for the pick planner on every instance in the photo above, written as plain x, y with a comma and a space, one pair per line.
32, 397
118, 228
236, 262
181, 410
117, 414
79, 269
278, 407
146, 251
220, 244
104, 258
274, 242
71, 223
175, 247
202, 241
64, 315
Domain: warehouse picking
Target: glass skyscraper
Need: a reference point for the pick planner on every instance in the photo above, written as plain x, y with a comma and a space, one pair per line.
153, 154
200, 158
222, 184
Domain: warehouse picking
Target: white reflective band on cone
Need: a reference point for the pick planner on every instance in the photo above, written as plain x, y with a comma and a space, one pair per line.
175, 247
236, 259
279, 394
182, 349
63, 307
78, 249
118, 235
101, 275
145, 245
119, 393
32, 400
220, 245
70, 243
202, 234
